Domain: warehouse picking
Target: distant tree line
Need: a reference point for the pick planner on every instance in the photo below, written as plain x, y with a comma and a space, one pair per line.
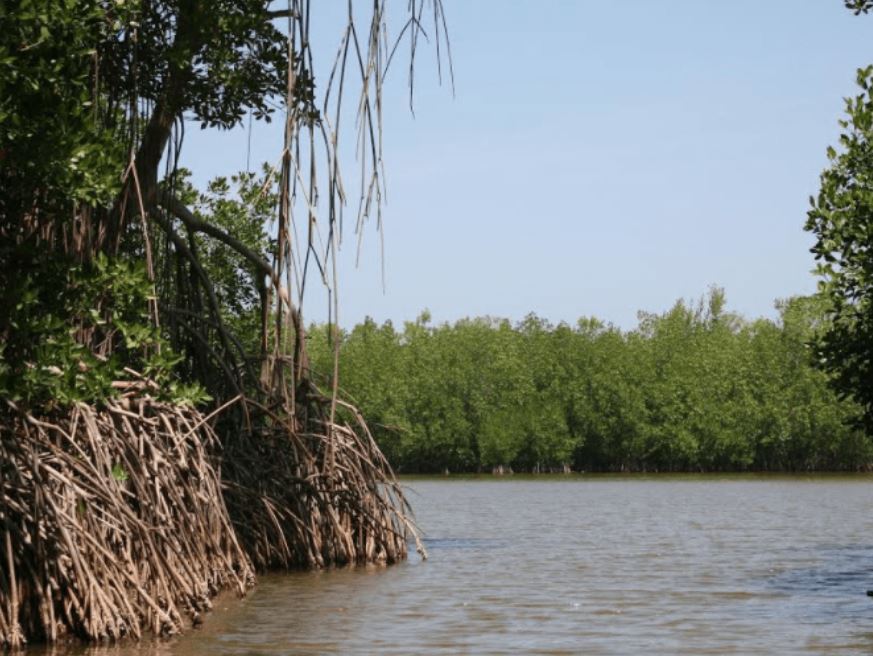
696, 388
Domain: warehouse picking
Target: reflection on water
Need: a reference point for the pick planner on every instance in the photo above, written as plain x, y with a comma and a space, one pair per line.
599, 565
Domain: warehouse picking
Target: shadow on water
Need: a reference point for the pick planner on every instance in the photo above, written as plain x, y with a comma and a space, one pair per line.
834, 589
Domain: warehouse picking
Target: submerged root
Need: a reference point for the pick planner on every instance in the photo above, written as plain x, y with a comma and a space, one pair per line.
112, 522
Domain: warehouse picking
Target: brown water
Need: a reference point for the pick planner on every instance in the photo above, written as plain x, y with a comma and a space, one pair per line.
581, 564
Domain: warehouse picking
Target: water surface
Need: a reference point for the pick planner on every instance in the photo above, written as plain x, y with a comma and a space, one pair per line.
585, 564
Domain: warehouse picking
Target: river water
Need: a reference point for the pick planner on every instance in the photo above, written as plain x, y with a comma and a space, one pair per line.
584, 564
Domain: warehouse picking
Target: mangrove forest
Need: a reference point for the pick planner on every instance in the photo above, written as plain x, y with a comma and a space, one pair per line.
156, 449
695, 388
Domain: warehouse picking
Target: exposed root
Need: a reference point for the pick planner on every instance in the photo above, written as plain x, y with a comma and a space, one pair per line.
112, 522
312, 493
117, 522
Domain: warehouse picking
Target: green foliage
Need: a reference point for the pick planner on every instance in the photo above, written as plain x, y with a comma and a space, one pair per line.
43, 320
841, 219
92, 92
52, 149
83, 85
226, 55
243, 207
696, 388
119, 473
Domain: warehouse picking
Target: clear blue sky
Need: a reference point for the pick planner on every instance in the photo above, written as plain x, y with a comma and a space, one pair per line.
598, 158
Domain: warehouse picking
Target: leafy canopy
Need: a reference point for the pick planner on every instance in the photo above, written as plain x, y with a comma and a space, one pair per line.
841, 219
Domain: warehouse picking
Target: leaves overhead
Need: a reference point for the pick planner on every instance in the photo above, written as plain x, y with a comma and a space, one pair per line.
224, 56
859, 6
841, 220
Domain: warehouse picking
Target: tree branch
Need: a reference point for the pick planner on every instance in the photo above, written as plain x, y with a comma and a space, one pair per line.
178, 209
175, 207
182, 247
282, 13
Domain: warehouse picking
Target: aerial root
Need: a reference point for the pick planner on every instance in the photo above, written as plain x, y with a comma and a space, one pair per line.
112, 522
126, 520
314, 493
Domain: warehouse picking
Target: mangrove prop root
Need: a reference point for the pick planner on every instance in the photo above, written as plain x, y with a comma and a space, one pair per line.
312, 493
127, 520
112, 522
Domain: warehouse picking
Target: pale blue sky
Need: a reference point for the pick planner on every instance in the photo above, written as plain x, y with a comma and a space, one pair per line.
598, 158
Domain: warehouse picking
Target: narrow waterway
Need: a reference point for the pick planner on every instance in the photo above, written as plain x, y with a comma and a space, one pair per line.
585, 564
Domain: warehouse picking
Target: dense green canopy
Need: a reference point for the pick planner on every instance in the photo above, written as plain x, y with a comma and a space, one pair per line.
696, 388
